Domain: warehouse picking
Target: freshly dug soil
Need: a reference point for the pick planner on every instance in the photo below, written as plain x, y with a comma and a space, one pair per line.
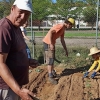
71, 85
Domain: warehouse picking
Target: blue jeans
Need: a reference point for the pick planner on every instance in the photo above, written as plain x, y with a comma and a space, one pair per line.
28, 52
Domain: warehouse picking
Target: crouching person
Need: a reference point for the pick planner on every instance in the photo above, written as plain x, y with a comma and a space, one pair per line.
95, 53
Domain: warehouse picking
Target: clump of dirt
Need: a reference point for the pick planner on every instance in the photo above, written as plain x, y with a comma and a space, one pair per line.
71, 85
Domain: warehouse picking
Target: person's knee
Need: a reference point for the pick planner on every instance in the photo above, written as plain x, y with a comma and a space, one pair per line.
49, 57
51, 61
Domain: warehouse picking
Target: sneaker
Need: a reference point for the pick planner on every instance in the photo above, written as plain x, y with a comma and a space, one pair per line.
52, 80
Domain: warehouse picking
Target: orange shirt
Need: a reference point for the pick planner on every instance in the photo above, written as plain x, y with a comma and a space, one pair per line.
59, 28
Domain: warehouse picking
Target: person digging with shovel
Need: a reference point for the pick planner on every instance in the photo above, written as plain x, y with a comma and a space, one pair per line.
49, 45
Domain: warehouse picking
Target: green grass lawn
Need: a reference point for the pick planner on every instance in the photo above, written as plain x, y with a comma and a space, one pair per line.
69, 34
81, 34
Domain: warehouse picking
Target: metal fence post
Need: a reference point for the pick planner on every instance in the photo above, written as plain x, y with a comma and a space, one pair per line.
32, 35
97, 22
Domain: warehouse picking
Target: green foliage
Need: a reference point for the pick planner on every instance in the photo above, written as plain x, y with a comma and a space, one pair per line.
71, 60
39, 53
5, 7
40, 9
88, 84
90, 15
62, 7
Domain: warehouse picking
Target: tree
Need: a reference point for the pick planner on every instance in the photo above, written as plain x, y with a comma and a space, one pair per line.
5, 7
69, 8
63, 7
41, 9
90, 15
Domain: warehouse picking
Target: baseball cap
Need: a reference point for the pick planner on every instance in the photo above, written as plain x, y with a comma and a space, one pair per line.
23, 4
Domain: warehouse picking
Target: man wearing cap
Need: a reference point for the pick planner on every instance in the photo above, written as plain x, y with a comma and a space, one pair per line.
95, 53
49, 45
14, 62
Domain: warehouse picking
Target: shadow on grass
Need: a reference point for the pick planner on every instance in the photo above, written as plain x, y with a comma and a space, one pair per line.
41, 60
72, 71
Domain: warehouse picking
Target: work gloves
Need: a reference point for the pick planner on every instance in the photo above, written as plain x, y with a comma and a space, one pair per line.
92, 76
86, 74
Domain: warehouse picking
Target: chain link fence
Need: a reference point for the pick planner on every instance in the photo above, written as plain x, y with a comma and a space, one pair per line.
47, 13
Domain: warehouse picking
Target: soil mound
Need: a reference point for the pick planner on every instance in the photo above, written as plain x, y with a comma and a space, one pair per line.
71, 85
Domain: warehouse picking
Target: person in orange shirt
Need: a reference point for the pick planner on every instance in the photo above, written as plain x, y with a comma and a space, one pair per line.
49, 45
95, 53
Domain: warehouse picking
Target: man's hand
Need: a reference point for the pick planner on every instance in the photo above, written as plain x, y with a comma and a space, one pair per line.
51, 47
26, 94
66, 53
32, 41
33, 63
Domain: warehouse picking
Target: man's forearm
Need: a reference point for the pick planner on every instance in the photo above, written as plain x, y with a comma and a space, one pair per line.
7, 76
64, 45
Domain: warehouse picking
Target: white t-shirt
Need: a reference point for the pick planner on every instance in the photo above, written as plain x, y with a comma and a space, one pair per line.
23, 30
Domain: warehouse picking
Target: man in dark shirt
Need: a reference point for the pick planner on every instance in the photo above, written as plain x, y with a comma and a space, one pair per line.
14, 60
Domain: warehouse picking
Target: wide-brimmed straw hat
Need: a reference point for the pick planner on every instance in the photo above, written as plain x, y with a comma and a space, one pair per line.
93, 50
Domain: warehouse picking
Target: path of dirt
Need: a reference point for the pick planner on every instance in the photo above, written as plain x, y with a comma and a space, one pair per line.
82, 42
71, 85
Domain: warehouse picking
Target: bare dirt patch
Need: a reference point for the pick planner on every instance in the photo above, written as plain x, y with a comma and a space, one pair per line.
71, 85
80, 42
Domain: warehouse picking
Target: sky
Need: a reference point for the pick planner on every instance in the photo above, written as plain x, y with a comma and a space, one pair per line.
53, 1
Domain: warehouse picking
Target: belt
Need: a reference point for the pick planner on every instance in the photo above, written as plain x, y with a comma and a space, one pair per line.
1, 94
